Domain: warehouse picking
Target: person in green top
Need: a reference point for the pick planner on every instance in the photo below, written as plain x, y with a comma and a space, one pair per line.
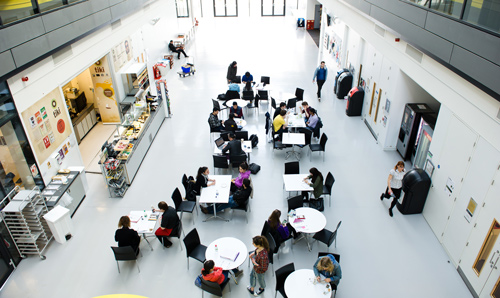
315, 180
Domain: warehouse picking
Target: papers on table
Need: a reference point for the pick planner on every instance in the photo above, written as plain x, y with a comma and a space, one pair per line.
135, 216
229, 253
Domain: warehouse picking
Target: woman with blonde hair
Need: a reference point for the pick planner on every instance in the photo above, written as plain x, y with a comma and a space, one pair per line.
329, 268
394, 184
125, 236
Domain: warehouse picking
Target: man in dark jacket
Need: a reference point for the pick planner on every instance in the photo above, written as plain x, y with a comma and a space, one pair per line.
230, 124
234, 146
177, 50
238, 199
231, 72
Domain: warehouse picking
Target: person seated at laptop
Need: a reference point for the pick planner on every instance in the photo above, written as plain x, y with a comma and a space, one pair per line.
230, 124
313, 119
305, 109
277, 111
236, 110
238, 199
244, 173
279, 123
234, 146
234, 87
213, 120
247, 78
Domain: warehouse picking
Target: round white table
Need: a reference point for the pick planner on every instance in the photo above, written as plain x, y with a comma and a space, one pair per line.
227, 246
300, 284
241, 102
313, 222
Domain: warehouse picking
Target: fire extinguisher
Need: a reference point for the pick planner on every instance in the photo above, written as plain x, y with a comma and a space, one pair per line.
156, 72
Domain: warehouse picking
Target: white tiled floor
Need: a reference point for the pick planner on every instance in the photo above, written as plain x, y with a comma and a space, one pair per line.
381, 256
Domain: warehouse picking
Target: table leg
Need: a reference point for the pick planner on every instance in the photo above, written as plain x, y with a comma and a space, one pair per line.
215, 215
145, 238
293, 152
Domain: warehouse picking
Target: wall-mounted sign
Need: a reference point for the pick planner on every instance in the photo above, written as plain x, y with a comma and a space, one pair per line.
471, 208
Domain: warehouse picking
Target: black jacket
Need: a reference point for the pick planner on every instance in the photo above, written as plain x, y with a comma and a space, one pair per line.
234, 148
126, 237
231, 72
230, 125
241, 195
170, 220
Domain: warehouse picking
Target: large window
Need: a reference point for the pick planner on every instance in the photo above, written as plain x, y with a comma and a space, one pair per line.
15, 10
484, 13
225, 8
17, 163
182, 8
273, 8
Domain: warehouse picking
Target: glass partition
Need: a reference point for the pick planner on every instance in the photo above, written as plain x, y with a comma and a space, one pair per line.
46, 5
484, 13
449, 7
11, 11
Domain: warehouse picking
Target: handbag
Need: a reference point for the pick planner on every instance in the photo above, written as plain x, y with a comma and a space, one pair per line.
317, 204
197, 281
163, 232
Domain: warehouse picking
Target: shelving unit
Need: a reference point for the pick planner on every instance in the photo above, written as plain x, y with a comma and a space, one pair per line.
23, 217
115, 180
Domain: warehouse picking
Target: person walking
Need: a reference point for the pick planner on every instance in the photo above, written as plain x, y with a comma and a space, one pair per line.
320, 75
394, 184
260, 261
231, 72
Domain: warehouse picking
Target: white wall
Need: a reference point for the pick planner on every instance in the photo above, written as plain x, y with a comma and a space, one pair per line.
46, 76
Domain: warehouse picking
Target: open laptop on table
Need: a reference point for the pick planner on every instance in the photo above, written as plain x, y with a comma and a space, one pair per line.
220, 143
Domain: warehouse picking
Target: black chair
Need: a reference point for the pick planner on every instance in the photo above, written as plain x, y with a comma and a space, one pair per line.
265, 80
185, 183
295, 202
299, 94
272, 249
194, 248
237, 80
242, 134
292, 103
307, 135
319, 147
327, 188
265, 229
247, 95
327, 237
220, 162
337, 258
225, 135
213, 287
245, 207
281, 275
263, 94
273, 103
278, 144
232, 94
237, 160
292, 167
124, 253
254, 104
177, 234
182, 206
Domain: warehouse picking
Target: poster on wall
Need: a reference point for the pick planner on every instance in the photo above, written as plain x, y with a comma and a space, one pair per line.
122, 53
47, 124
336, 47
104, 93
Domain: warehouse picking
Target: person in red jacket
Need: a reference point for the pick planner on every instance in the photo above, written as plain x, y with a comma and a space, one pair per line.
214, 274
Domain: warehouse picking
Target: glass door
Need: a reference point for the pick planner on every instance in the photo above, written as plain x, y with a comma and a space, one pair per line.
226, 8
273, 8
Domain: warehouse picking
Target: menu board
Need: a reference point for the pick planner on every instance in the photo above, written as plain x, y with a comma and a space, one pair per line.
47, 124
122, 53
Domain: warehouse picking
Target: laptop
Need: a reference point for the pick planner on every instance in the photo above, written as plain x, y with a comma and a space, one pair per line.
219, 143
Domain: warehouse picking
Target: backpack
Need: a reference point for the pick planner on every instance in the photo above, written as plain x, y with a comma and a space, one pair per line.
254, 168
317, 204
254, 139
320, 123
191, 189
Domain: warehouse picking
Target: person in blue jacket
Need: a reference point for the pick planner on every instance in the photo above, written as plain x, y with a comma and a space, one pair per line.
247, 77
328, 267
320, 75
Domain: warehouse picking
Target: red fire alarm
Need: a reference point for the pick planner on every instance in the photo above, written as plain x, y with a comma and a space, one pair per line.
397, 39
24, 79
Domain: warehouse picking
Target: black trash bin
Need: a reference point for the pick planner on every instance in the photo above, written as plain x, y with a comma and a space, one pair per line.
354, 104
344, 84
416, 184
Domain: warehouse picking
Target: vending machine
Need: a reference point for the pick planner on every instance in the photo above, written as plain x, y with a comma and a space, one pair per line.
423, 141
409, 128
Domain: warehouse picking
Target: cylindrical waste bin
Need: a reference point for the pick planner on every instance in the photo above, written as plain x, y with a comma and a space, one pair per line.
59, 222
416, 184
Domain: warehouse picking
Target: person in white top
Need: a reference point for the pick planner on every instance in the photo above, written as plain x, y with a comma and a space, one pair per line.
394, 184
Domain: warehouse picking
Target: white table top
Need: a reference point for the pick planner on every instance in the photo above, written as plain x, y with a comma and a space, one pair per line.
222, 185
295, 182
231, 246
246, 146
291, 138
314, 221
143, 225
300, 284
241, 103
296, 120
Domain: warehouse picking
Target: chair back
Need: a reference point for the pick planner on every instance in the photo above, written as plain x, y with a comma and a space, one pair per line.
265, 80
307, 134
329, 182
292, 103
211, 287
265, 228
232, 94
299, 93
242, 134
177, 233
124, 253
247, 95
220, 161
237, 160
281, 275
334, 235
273, 103
185, 183
295, 202
225, 135
177, 198
215, 104
263, 95
191, 241
272, 247
323, 140
292, 167
323, 254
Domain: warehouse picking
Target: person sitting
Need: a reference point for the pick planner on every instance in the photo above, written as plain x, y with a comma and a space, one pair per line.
177, 50
169, 223
315, 180
234, 146
247, 78
125, 236
234, 87
280, 232
230, 124
279, 123
244, 173
278, 111
236, 110
329, 268
202, 179
305, 109
215, 274
313, 119
213, 120
248, 86
238, 199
